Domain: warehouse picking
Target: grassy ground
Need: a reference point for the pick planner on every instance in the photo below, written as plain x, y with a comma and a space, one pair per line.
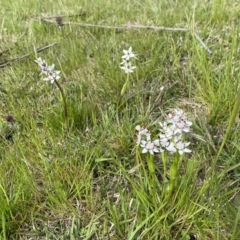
91, 182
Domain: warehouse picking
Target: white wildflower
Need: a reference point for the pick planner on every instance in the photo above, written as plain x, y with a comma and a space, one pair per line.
179, 119
167, 131
127, 67
142, 133
51, 74
181, 146
128, 54
151, 147
168, 145
183, 126
42, 64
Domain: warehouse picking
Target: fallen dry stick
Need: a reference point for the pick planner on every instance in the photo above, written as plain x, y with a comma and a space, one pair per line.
11, 61
59, 20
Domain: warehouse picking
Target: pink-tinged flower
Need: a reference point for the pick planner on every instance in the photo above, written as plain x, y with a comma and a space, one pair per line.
179, 119
167, 131
42, 64
183, 125
51, 74
176, 116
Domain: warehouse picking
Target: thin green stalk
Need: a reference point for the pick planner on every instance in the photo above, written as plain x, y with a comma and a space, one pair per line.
173, 174
164, 160
64, 103
3, 226
145, 175
230, 124
124, 88
151, 167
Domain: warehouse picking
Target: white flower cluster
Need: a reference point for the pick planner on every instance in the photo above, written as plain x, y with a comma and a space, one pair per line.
126, 61
170, 137
52, 75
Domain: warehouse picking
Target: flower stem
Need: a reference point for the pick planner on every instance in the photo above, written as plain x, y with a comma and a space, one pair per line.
164, 160
64, 103
173, 174
151, 168
124, 88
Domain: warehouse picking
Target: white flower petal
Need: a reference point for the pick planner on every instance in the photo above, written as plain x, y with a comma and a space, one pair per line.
151, 152
144, 150
171, 148
161, 88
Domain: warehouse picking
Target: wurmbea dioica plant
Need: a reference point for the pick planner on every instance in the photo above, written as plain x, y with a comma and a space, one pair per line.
170, 139
52, 76
126, 66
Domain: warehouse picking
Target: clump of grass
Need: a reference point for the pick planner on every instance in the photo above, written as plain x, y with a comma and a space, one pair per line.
94, 183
